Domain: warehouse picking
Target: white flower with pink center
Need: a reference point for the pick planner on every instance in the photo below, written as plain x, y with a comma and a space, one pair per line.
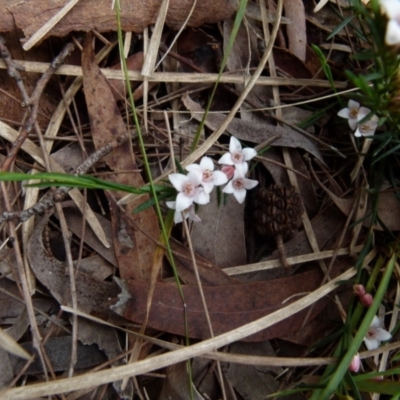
210, 178
237, 155
189, 190
366, 128
351, 113
189, 213
239, 185
376, 335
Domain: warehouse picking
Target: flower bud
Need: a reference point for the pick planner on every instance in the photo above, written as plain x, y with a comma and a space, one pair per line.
355, 363
366, 300
359, 290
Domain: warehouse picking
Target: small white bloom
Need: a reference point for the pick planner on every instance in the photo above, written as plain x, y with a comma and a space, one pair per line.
210, 178
350, 113
376, 335
188, 213
239, 184
236, 154
189, 190
392, 10
366, 128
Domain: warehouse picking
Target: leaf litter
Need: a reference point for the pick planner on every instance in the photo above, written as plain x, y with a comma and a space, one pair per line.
99, 115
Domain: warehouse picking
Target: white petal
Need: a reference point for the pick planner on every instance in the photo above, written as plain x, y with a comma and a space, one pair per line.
248, 153
240, 195
201, 197
228, 188
178, 217
206, 163
363, 112
178, 180
234, 145
357, 133
344, 113
219, 178
391, 7
353, 123
392, 36
171, 204
226, 159
371, 344
195, 177
240, 170
353, 104
183, 202
192, 167
382, 335
208, 187
375, 322
249, 183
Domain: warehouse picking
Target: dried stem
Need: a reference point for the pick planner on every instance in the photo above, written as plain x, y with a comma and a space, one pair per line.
282, 253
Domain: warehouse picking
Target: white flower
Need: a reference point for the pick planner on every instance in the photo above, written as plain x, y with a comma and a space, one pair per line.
188, 213
210, 178
189, 190
375, 335
236, 154
239, 184
366, 128
392, 10
351, 113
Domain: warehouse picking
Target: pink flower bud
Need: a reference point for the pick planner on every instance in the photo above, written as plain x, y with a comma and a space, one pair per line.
366, 300
355, 363
359, 290
228, 170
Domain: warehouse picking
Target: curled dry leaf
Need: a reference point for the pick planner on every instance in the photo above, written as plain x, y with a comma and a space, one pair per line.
87, 15
229, 306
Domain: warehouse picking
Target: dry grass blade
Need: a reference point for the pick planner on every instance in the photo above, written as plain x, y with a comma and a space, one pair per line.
9, 344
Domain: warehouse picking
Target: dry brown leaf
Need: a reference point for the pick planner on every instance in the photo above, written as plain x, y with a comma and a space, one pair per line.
87, 15
229, 306
176, 385
296, 30
58, 351
253, 383
134, 250
93, 296
226, 246
254, 132
388, 209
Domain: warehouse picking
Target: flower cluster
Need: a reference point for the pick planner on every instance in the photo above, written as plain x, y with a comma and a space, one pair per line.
196, 186
392, 10
355, 115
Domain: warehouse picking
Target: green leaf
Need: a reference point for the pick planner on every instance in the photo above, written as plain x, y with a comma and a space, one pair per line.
340, 27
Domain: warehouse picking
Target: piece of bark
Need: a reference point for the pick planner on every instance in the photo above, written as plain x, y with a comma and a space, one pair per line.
87, 15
